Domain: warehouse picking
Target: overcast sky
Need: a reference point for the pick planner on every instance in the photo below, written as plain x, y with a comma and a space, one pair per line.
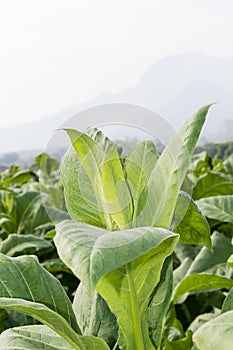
58, 53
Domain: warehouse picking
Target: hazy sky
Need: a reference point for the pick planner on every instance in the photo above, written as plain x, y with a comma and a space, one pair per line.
57, 53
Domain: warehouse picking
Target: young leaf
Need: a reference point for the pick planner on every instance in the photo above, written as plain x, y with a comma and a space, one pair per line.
115, 189
105, 173
74, 180
169, 173
138, 165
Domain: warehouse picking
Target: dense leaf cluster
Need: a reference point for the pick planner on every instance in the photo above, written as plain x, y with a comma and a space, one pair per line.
145, 248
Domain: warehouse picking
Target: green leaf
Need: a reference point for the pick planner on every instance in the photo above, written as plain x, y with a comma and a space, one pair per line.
75, 180
193, 228
24, 176
169, 173
56, 215
121, 263
208, 268
228, 163
34, 284
40, 295
55, 321
212, 184
184, 343
47, 164
230, 261
201, 281
213, 262
202, 319
138, 165
55, 265
181, 271
18, 245
41, 337
105, 174
228, 302
218, 207
184, 251
19, 319
31, 338
115, 190
30, 212
159, 303
91, 157
103, 141
93, 315
215, 334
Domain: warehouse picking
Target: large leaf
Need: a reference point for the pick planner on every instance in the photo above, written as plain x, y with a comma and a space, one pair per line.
93, 315
213, 184
169, 173
215, 334
139, 164
218, 207
41, 337
40, 295
34, 284
31, 338
121, 263
193, 227
55, 321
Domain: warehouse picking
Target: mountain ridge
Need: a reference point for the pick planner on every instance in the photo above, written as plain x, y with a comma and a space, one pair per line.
174, 86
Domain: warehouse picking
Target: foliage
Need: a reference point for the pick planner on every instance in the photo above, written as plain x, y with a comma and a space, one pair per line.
155, 264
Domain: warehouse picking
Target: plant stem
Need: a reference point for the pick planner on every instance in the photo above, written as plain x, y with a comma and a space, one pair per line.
186, 312
135, 310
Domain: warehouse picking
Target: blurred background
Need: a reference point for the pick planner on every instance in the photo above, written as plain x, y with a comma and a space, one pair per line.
59, 57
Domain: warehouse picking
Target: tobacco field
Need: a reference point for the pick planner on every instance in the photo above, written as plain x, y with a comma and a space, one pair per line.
113, 251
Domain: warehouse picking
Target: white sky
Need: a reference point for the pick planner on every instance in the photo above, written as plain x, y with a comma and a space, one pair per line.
58, 53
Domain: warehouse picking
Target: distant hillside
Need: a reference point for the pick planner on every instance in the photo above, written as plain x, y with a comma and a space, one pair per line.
175, 87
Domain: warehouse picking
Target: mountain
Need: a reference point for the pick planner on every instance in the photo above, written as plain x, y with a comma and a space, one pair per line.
175, 87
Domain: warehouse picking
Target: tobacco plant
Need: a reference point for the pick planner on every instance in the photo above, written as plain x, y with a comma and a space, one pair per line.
128, 217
